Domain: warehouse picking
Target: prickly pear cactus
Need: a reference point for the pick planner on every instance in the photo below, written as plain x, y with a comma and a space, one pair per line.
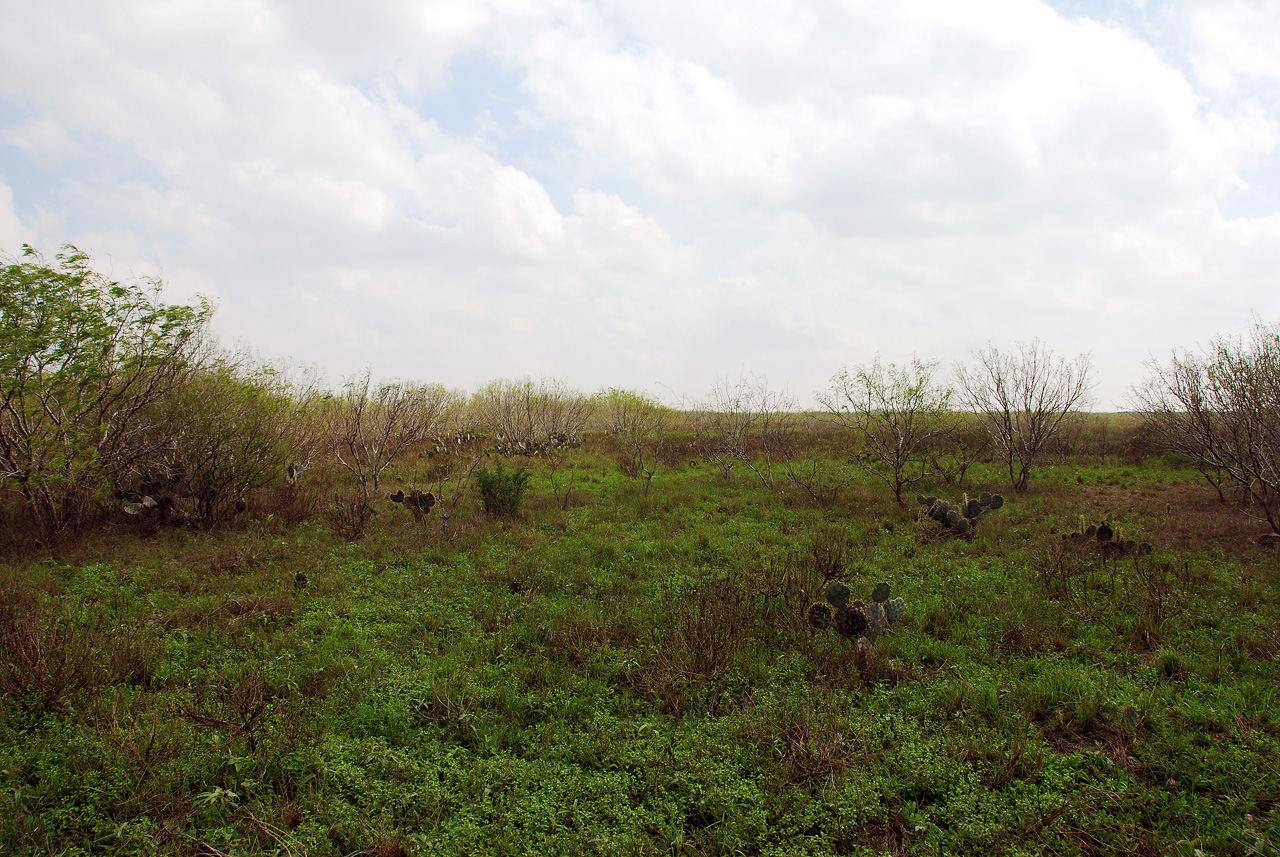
855, 618
850, 621
821, 615
1130, 720
837, 594
877, 623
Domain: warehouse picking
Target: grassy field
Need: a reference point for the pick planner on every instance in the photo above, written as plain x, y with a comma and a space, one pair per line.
616, 670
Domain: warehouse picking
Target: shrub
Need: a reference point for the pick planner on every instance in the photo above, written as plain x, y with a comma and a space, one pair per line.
370, 424
235, 428
501, 491
1219, 410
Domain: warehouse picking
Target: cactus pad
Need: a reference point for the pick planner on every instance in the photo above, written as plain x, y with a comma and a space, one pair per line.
881, 593
894, 610
1130, 720
837, 593
850, 622
821, 615
877, 622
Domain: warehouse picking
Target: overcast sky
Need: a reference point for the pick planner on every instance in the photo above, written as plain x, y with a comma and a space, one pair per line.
654, 194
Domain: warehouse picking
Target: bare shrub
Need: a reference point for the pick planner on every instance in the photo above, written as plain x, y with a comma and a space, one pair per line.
1219, 409
1023, 398
707, 630
349, 517
964, 444
369, 425
45, 657
746, 422
545, 419
527, 417
812, 463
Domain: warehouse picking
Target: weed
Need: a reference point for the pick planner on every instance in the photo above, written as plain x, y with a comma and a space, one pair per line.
349, 518
501, 492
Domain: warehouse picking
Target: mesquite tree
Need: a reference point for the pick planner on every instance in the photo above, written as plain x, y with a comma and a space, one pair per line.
82, 360
1222, 409
369, 425
1023, 396
746, 421
895, 412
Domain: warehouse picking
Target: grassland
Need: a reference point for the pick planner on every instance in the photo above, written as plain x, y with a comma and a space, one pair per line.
627, 670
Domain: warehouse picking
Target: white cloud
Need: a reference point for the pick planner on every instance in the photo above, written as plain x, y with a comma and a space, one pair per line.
13, 234
670, 192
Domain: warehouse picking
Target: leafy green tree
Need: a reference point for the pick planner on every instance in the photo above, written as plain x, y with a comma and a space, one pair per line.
237, 425
638, 425
895, 413
82, 358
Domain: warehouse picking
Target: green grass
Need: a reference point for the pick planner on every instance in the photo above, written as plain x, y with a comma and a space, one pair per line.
632, 673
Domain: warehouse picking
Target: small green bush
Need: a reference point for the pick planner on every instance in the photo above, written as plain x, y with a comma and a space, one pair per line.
500, 491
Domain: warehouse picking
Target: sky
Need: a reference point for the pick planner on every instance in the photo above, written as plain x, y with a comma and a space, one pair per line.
659, 195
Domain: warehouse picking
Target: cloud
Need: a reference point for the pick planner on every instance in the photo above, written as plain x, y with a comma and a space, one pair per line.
657, 191
13, 233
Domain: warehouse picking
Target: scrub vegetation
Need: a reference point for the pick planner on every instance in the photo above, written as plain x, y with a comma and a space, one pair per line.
404, 620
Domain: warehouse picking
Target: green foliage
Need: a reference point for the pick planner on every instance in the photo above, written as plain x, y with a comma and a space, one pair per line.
638, 425
82, 360
635, 676
237, 431
501, 491
896, 414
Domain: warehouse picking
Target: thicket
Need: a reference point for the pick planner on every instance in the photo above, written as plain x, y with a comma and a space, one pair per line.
83, 360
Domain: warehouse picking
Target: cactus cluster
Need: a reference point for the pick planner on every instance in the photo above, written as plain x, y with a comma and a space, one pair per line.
163, 497
1108, 538
960, 518
415, 501
553, 443
852, 619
